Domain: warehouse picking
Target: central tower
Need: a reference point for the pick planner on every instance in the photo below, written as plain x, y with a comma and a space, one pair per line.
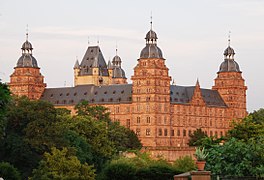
151, 95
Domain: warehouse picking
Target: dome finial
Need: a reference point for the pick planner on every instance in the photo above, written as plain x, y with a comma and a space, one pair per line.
151, 20
116, 48
229, 34
27, 33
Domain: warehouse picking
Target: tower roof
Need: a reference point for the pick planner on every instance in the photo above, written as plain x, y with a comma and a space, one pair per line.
93, 58
229, 64
27, 59
151, 50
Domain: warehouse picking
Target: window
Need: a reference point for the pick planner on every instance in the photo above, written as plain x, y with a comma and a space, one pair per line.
75, 94
178, 132
211, 133
172, 132
148, 132
117, 109
147, 108
138, 120
138, 108
148, 119
165, 132
128, 123
190, 132
184, 132
216, 134
160, 132
138, 132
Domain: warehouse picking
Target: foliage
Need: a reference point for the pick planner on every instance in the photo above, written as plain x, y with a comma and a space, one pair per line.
242, 154
4, 100
258, 116
200, 153
184, 164
123, 138
120, 169
61, 165
34, 127
97, 112
196, 137
8, 171
237, 158
246, 129
141, 167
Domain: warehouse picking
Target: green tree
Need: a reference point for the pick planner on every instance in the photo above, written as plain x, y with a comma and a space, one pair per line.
185, 164
196, 137
246, 129
123, 138
4, 99
237, 158
60, 165
258, 116
8, 171
97, 112
141, 167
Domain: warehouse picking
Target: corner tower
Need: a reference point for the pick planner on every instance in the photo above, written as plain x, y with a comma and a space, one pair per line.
231, 85
27, 80
151, 95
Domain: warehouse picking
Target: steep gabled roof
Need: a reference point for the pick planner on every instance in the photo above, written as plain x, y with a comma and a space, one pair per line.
93, 58
183, 95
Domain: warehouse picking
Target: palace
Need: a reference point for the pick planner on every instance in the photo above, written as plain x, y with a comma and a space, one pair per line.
161, 114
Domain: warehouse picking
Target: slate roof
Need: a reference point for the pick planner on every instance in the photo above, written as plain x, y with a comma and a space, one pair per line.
183, 95
122, 93
93, 94
93, 58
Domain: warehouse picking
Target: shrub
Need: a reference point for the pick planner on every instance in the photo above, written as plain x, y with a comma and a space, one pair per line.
8, 171
184, 164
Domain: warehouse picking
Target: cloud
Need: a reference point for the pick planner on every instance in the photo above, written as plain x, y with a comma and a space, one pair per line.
91, 31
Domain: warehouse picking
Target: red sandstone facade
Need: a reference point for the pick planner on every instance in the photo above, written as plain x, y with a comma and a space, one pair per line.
154, 112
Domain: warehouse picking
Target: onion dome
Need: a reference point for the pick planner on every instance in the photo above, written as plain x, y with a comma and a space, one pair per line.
118, 72
151, 35
27, 59
116, 61
229, 64
151, 50
27, 46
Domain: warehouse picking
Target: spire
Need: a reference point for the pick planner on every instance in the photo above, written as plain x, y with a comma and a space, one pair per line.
27, 33
197, 83
116, 48
77, 65
151, 20
229, 34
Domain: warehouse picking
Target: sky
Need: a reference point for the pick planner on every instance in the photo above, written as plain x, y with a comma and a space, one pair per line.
192, 35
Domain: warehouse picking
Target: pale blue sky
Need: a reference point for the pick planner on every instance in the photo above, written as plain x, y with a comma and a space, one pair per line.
192, 35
